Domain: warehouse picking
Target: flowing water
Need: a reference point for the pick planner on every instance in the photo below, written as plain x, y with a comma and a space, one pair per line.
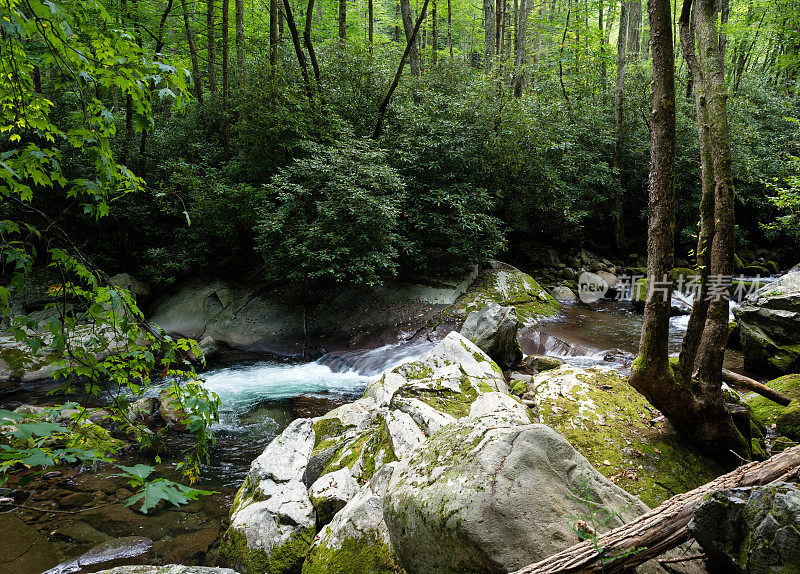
258, 400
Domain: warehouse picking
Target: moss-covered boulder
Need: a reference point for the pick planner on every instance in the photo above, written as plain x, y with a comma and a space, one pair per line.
766, 411
754, 530
788, 421
769, 326
620, 433
507, 286
486, 498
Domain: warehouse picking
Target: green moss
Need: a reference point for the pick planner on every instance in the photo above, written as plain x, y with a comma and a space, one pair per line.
519, 388
20, 362
764, 410
788, 421
327, 432
284, 559
415, 371
377, 451
362, 556
609, 422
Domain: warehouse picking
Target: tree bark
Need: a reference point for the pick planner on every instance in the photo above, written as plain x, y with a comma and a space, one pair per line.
521, 48
490, 21
634, 28
301, 57
619, 96
450, 29
371, 25
342, 21
738, 381
385, 102
408, 27
198, 86
212, 64
651, 373
664, 527
273, 33
240, 68
603, 65
312, 54
434, 35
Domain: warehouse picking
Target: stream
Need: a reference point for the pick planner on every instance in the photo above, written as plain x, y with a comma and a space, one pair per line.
258, 401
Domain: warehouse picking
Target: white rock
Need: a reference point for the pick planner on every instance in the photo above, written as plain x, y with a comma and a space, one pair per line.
286, 457
404, 432
499, 409
427, 417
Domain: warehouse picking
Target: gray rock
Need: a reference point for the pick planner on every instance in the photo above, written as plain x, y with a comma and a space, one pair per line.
494, 330
610, 279
168, 569
752, 530
122, 551
769, 326
136, 287
331, 492
569, 274
208, 346
563, 294
477, 498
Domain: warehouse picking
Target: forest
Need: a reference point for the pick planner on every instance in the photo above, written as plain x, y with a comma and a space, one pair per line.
242, 244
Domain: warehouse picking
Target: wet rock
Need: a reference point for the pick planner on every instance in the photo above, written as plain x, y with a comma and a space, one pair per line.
751, 530
119, 552
209, 348
569, 274
169, 569
81, 533
170, 410
535, 364
190, 548
477, 498
494, 330
23, 548
138, 289
769, 323
563, 294
766, 412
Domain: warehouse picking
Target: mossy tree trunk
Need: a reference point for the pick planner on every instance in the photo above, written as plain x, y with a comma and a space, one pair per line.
694, 404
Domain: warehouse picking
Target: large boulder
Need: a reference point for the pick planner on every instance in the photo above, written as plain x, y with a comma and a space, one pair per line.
482, 498
619, 432
168, 569
329, 469
769, 326
753, 530
494, 330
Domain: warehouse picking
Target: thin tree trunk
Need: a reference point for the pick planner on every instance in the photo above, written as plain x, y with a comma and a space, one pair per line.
651, 374
663, 528
634, 28
198, 86
603, 64
490, 23
342, 21
212, 64
450, 29
385, 102
307, 41
434, 35
240, 68
371, 32
273, 33
226, 86
619, 95
301, 57
521, 48
408, 27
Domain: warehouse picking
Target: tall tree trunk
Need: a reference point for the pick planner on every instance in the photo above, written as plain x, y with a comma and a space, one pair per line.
409, 44
603, 65
273, 33
408, 27
312, 54
371, 26
490, 23
240, 69
450, 29
619, 95
521, 48
212, 64
434, 35
722, 436
697, 321
342, 21
198, 86
651, 373
301, 57
226, 86
634, 28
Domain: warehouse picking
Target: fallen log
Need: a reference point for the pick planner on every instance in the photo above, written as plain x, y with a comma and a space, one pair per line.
661, 529
741, 382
